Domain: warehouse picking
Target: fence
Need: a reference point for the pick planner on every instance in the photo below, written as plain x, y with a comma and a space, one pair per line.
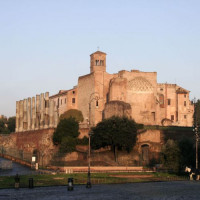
17, 154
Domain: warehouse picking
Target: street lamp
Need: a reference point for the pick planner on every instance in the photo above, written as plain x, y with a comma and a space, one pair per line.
89, 185
93, 96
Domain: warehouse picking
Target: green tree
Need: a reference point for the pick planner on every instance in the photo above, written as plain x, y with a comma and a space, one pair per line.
77, 114
68, 145
3, 126
66, 135
118, 133
197, 112
187, 150
11, 124
170, 156
66, 128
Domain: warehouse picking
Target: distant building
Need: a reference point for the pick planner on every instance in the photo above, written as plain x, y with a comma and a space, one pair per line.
99, 95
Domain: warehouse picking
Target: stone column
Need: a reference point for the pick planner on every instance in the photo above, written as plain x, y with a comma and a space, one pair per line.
25, 115
51, 113
21, 112
33, 114
46, 110
29, 114
42, 111
37, 123
17, 117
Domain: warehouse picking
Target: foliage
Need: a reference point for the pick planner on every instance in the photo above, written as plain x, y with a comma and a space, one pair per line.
7, 125
11, 124
77, 114
68, 145
118, 133
66, 135
66, 128
170, 156
187, 149
197, 112
83, 141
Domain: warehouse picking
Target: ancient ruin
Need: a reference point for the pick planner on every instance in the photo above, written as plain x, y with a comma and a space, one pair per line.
36, 113
100, 95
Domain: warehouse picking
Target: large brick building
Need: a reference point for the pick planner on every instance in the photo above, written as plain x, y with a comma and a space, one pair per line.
100, 95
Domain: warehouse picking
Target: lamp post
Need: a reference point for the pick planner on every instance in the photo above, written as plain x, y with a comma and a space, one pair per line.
89, 185
93, 96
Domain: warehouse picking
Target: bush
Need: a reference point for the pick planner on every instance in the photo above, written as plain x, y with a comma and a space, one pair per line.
68, 145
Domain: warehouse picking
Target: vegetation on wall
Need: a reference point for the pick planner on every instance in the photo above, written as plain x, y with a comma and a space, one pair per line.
76, 114
7, 125
115, 132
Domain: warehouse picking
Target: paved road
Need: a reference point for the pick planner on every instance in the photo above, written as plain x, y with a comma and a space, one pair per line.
157, 190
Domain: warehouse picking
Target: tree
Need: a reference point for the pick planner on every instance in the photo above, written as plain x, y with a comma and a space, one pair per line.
3, 126
66, 135
187, 149
170, 155
66, 128
77, 114
197, 112
11, 124
68, 145
118, 133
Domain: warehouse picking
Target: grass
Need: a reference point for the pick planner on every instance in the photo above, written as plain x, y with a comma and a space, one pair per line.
81, 178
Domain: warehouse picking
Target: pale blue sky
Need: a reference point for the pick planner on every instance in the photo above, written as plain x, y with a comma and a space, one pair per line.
45, 44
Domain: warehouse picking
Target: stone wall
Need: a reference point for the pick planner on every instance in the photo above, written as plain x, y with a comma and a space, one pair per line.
117, 108
38, 142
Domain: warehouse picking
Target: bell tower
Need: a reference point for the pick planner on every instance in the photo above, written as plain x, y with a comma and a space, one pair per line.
97, 61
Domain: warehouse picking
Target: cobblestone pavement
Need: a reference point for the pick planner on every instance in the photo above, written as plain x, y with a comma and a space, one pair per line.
157, 190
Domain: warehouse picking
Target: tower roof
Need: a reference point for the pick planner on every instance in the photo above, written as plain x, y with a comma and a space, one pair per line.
98, 52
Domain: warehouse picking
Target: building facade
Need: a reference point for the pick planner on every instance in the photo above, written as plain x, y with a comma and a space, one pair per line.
99, 95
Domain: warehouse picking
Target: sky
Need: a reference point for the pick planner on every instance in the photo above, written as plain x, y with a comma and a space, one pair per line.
45, 45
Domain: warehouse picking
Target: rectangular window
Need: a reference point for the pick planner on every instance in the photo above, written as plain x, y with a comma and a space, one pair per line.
185, 95
153, 115
73, 100
58, 102
73, 92
172, 117
184, 103
65, 100
169, 101
185, 116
